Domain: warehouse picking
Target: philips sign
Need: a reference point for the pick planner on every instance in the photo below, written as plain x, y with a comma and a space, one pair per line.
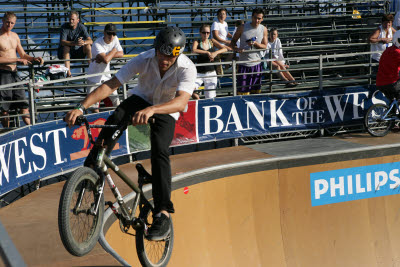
355, 183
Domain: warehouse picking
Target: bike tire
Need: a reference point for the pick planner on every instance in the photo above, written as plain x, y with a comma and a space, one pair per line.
153, 253
80, 241
373, 122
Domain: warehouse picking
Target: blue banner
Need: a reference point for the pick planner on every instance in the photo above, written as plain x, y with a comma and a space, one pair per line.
234, 117
38, 151
355, 183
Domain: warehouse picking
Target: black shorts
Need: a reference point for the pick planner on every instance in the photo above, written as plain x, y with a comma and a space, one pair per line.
73, 53
391, 90
9, 77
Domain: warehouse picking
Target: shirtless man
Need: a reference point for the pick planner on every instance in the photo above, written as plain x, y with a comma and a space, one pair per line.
10, 45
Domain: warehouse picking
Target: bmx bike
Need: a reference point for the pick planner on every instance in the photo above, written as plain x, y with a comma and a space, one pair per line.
81, 208
380, 118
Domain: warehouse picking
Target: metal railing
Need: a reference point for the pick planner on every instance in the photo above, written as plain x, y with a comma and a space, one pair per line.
51, 99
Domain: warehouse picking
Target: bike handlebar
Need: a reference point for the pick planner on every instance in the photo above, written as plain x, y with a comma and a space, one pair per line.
83, 120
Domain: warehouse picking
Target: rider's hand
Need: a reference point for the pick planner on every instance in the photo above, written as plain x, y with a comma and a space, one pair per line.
142, 116
71, 117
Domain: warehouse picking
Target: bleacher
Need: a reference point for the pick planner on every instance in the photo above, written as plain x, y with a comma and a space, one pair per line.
310, 31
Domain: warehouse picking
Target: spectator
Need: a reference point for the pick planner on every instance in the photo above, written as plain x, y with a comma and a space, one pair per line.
252, 35
103, 51
381, 38
75, 41
237, 24
206, 74
10, 45
219, 28
276, 47
220, 34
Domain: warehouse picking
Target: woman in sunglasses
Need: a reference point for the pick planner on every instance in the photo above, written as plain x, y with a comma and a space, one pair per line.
205, 47
103, 51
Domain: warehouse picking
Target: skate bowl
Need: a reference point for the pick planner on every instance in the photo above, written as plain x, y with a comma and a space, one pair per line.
309, 202
335, 208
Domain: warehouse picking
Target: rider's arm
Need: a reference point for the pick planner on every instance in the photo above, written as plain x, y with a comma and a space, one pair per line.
177, 104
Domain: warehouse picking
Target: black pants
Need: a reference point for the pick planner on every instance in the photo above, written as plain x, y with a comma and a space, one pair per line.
162, 133
391, 91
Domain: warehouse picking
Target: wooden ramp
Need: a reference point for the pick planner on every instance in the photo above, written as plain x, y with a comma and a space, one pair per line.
255, 213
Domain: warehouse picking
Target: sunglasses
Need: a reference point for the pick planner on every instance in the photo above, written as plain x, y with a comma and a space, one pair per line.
205, 32
111, 33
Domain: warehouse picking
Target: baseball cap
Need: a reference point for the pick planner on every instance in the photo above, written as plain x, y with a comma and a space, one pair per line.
110, 28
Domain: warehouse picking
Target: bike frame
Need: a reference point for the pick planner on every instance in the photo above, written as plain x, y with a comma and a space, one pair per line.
103, 162
385, 116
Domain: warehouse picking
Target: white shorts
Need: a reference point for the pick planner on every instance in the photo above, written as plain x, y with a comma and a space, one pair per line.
210, 83
110, 101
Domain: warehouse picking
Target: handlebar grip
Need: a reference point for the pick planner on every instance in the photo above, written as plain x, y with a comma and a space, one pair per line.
151, 120
79, 120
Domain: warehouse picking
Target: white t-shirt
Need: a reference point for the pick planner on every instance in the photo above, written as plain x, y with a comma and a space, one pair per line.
222, 29
98, 47
151, 87
276, 47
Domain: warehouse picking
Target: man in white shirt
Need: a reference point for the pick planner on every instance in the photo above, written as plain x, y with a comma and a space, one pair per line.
166, 83
103, 51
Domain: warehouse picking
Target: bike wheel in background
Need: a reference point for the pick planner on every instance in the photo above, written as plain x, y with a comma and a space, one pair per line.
375, 125
153, 253
79, 228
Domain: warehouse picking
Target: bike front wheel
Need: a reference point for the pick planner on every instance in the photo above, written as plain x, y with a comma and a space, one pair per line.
153, 253
79, 227
374, 120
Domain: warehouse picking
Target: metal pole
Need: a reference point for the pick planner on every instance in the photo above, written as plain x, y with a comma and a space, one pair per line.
31, 95
270, 71
320, 71
234, 77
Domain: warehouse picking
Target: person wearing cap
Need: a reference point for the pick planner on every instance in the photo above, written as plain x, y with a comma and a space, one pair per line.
165, 84
75, 41
104, 49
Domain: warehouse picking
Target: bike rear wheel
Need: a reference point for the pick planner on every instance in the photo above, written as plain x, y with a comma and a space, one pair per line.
153, 253
374, 122
79, 228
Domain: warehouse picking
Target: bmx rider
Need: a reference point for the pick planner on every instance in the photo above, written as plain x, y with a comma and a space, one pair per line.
166, 83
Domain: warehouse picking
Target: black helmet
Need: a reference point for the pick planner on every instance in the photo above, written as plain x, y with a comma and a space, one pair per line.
170, 41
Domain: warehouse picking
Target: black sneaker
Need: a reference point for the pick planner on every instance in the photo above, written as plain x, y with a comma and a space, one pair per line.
160, 228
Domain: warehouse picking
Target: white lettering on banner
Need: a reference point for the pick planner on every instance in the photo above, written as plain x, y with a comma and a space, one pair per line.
277, 113
4, 166
39, 151
378, 181
337, 108
19, 157
57, 143
357, 105
337, 184
20, 147
394, 179
207, 119
236, 121
259, 117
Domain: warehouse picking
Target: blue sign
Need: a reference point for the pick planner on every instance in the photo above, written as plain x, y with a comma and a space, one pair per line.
41, 150
355, 183
234, 117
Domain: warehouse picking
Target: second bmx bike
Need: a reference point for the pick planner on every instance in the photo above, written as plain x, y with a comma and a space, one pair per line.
381, 118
